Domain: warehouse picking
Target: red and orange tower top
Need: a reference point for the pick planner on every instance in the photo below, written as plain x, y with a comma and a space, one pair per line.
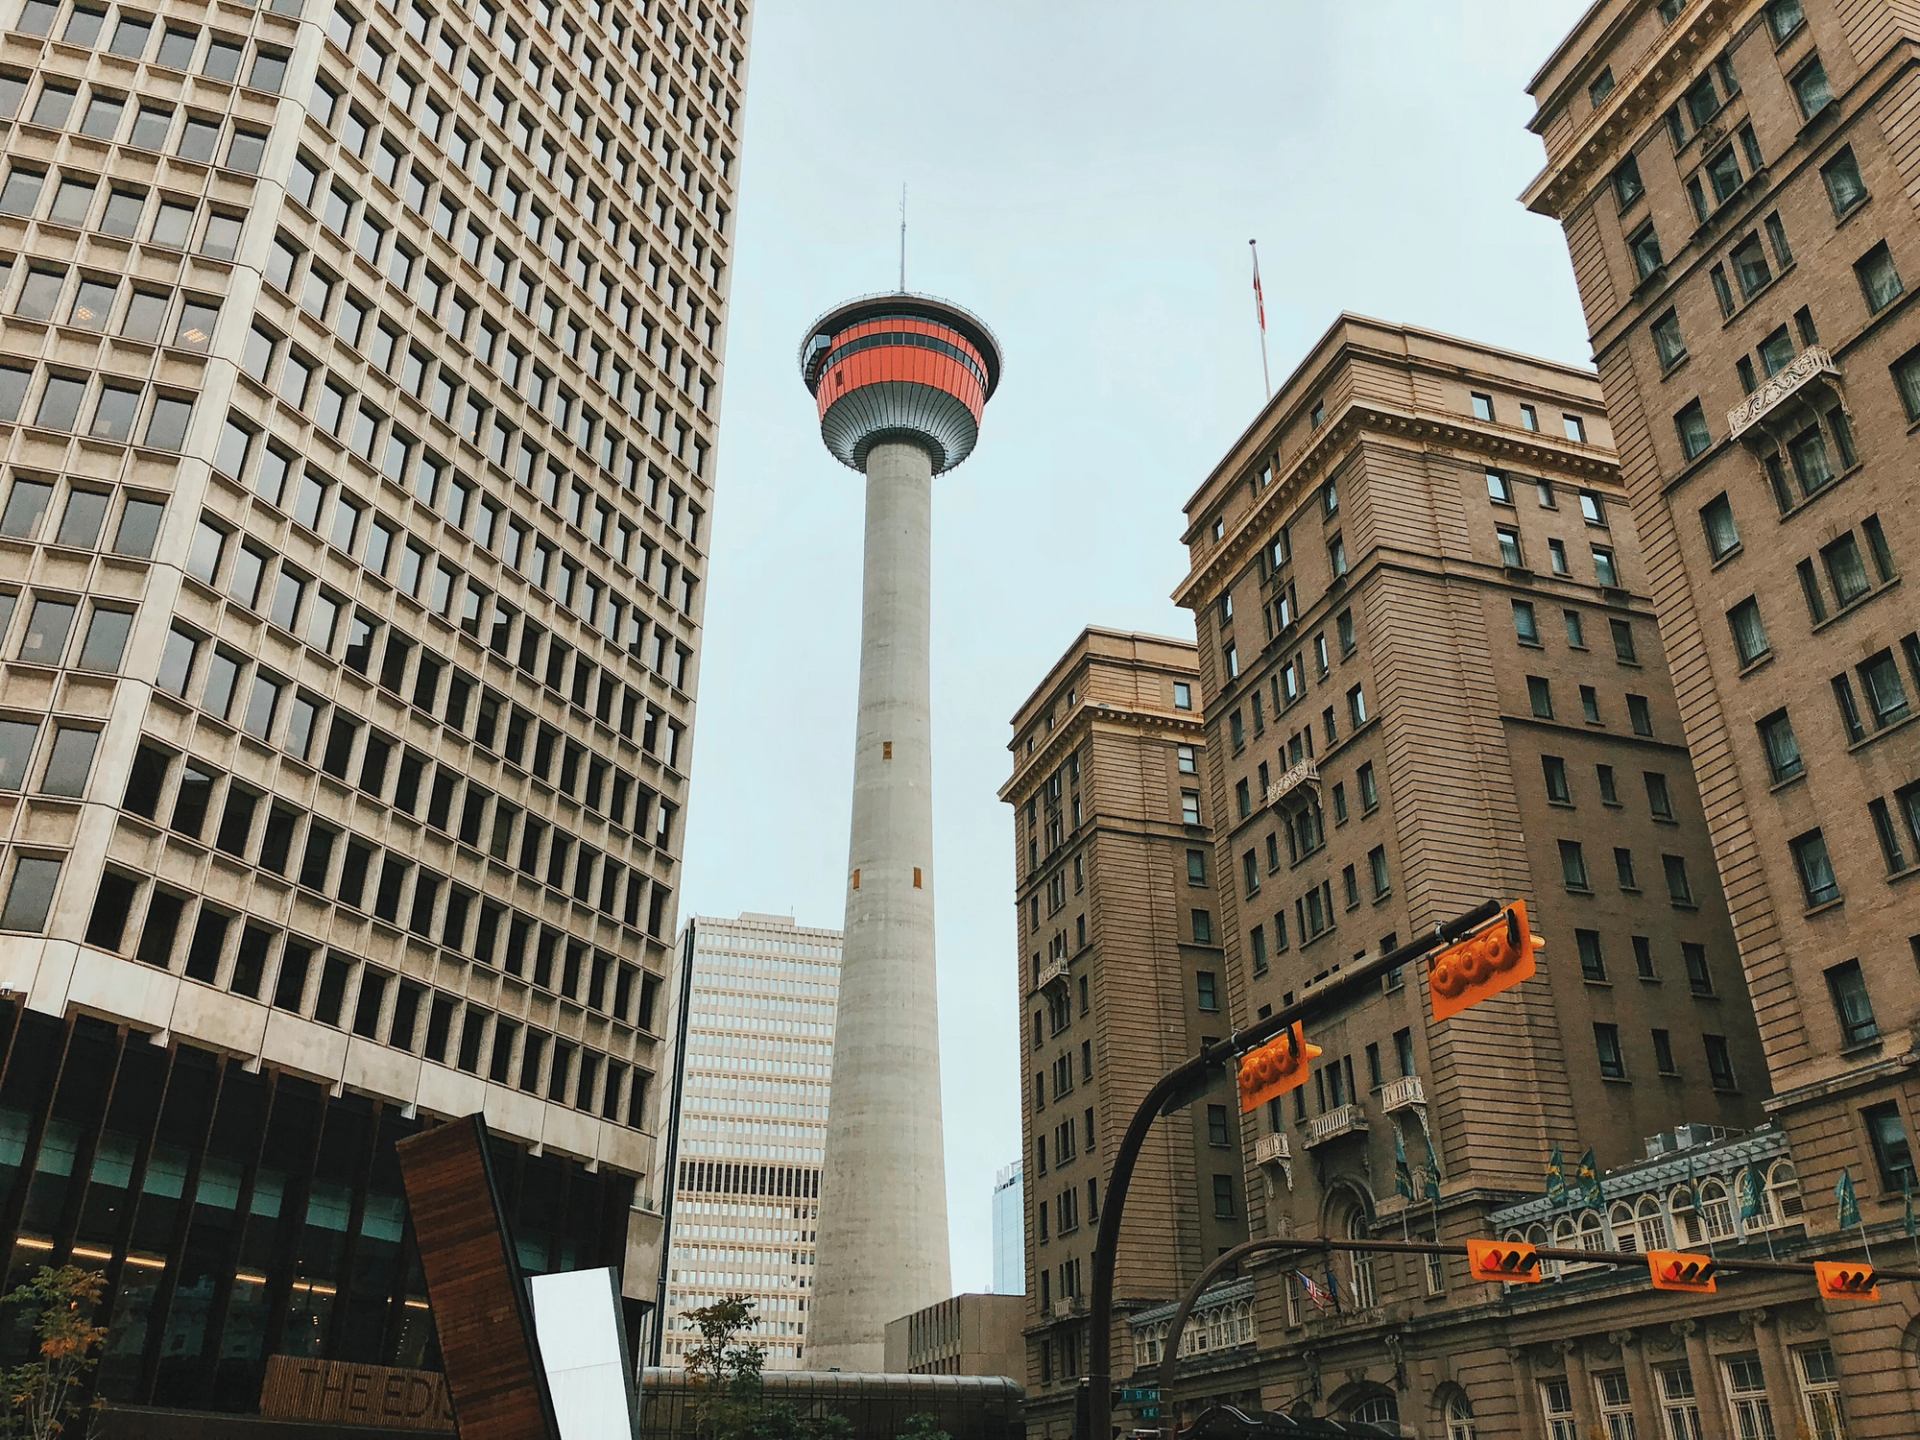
900, 367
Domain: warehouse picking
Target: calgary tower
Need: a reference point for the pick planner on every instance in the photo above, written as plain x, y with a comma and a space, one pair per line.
901, 381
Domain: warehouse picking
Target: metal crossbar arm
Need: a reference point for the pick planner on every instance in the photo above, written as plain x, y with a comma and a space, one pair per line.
1179, 1088
1321, 1244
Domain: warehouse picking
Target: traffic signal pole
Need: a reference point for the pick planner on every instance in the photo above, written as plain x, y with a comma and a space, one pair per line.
1179, 1088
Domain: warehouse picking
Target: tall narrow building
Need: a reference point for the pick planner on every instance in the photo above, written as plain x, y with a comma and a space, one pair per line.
753, 1073
900, 382
1734, 182
1433, 678
359, 368
1120, 976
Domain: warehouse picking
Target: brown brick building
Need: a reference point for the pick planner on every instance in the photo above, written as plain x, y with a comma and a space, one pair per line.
1736, 185
1116, 875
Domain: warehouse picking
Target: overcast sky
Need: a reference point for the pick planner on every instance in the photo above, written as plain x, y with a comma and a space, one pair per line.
1085, 175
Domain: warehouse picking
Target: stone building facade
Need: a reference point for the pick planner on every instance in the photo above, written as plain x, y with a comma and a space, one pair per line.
1734, 180
1120, 976
359, 373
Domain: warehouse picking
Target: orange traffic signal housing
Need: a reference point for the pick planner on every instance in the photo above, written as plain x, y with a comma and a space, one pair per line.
1280, 1065
1503, 1262
1485, 963
1846, 1280
1677, 1270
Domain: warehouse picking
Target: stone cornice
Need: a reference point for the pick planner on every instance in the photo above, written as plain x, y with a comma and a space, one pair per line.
1633, 103
1476, 439
1081, 723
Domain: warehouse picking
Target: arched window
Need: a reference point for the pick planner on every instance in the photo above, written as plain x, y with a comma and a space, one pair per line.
1376, 1410
1687, 1225
1537, 1237
1651, 1222
1593, 1231
1360, 1264
1716, 1209
1783, 1192
1620, 1217
1460, 1419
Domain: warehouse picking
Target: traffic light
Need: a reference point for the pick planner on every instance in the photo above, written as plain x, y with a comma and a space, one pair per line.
1503, 1262
1846, 1280
1280, 1065
1485, 963
1675, 1270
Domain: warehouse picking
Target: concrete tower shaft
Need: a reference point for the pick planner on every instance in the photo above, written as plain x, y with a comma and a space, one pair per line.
901, 382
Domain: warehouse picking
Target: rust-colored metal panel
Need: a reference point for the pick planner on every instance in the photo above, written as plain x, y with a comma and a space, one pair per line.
481, 1308
300, 1388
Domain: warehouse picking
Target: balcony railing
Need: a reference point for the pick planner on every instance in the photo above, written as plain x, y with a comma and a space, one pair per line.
1341, 1120
1272, 1149
1056, 970
1403, 1094
1065, 1306
1295, 784
1811, 371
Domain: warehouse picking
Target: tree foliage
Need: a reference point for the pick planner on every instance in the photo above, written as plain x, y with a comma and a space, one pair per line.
43, 1395
723, 1370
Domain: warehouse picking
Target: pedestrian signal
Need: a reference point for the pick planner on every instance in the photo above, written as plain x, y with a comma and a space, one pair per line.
1673, 1270
1503, 1262
1280, 1065
1485, 963
1846, 1280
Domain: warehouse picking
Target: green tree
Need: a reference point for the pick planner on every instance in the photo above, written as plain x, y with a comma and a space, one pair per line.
43, 1395
723, 1370
923, 1427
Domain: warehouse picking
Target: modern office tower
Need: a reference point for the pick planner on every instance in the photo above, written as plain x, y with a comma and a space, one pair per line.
753, 1076
1010, 1231
1732, 179
1120, 977
1432, 678
901, 381
358, 376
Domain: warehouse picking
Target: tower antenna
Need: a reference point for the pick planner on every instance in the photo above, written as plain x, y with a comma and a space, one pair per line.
903, 237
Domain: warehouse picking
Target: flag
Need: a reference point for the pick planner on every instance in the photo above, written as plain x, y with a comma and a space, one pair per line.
1906, 1205
1752, 1202
1557, 1178
1333, 1287
1848, 1202
1589, 1177
1315, 1291
1433, 1173
1259, 300
1402, 1176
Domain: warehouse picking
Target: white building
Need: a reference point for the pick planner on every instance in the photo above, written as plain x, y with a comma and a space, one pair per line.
755, 1061
1010, 1230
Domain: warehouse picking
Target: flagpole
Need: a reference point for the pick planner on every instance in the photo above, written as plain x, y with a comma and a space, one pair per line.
1260, 314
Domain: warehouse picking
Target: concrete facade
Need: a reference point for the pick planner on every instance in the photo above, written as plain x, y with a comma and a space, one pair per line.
965, 1335
1733, 181
1120, 975
359, 378
752, 1074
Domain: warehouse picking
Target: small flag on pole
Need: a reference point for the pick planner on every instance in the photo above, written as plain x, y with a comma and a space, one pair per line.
1752, 1201
1847, 1200
1907, 1220
1557, 1178
1433, 1173
1402, 1175
1589, 1177
1260, 314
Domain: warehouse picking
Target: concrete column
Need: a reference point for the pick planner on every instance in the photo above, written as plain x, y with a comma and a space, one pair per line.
882, 1248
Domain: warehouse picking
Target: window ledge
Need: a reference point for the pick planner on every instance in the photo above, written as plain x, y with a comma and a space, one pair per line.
1824, 906
1875, 737
1615, 1080
1755, 665
1805, 502
1862, 1047
1597, 981
1797, 778
1857, 604
1736, 550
